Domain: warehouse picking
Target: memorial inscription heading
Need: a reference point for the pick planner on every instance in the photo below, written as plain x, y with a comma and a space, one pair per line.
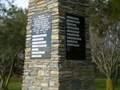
41, 36
75, 37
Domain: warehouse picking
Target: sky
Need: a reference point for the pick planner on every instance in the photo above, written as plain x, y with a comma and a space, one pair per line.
22, 3
19, 3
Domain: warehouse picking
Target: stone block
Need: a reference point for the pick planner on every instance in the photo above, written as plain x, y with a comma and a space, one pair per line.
34, 88
54, 73
65, 72
41, 6
44, 84
41, 2
78, 73
54, 84
31, 1
69, 64
38, 78
31, 14
37, 0
43, 73
34, 73
36, 83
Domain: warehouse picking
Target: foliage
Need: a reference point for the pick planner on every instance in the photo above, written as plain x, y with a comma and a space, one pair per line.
104, 13
105, 17
13, 22
115, 4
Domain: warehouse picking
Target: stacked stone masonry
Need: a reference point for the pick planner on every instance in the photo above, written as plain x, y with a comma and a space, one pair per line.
57, 73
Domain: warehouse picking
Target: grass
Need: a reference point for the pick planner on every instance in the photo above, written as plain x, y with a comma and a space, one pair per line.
100, 84
15, 84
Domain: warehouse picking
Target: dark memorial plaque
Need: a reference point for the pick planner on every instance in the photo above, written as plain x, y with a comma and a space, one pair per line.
75, 37
41, 36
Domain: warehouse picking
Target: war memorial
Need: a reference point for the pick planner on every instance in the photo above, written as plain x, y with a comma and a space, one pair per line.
58, 55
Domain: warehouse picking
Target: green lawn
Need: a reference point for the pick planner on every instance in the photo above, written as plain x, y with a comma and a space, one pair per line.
15, 84
100, 84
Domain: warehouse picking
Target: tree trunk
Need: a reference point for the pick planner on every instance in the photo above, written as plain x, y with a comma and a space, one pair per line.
11, 68
9, 75
116, 76
109, 84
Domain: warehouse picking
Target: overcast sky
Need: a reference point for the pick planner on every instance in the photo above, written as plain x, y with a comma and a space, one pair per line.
22, 3
19, 3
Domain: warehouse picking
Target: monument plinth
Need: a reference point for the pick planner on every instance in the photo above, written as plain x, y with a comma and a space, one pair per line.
57, 55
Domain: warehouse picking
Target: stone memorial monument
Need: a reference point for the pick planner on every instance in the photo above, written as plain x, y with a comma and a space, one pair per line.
57, 55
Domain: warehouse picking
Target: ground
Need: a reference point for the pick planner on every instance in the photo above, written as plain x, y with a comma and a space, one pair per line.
15, 84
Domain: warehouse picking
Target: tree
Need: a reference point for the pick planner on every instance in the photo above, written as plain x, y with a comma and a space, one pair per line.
115, 6
104, 13
105, 25
12, 38
107, 57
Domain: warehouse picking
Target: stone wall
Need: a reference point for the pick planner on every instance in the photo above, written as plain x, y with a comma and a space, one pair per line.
57, 73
